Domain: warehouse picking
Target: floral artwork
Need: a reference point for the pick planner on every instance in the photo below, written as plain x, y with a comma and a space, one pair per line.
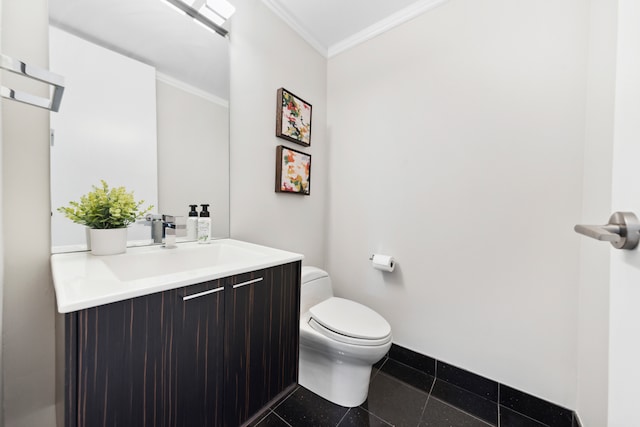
293, 120
293, 171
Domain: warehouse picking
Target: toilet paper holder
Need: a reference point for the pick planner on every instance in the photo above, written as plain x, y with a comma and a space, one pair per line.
383, 262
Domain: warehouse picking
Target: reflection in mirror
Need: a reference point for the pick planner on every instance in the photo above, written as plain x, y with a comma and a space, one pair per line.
146, 107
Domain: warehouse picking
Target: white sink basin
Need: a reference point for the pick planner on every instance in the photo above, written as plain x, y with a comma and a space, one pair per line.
82, 280
161, 262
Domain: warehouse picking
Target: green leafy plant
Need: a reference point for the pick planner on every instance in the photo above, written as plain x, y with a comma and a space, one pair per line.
105, 208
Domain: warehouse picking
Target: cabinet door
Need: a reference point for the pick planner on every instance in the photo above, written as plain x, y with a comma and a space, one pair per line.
261, 339
148, 361
197, 349
121, 365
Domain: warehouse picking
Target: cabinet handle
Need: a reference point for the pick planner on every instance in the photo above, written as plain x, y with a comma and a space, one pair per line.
259, 279
201, 294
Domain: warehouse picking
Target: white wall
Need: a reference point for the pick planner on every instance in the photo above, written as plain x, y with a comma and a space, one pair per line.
624, 347
593, 334
266, 55
28, 318
456, 145
193, 154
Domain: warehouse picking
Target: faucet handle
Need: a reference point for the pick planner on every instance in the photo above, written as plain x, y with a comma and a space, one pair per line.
177, 222
157, 229
148, 219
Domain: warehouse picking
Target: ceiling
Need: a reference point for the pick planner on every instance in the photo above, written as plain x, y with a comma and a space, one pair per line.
332, 26
152, 32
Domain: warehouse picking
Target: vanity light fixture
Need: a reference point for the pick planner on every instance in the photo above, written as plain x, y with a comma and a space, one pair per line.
209, 13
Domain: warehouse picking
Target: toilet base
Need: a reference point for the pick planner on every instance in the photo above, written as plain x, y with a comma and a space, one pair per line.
341, 382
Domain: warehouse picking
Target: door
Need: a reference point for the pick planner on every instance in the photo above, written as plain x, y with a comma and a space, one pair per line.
608, 349
624, 299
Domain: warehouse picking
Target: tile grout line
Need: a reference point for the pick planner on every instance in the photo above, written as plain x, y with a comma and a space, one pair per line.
273, 408
378, 417
386, 358
433, 384
458, 387
343, 417
496, 423
281, 419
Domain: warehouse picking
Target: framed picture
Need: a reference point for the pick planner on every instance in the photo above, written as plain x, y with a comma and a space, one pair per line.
293, 171
293, 118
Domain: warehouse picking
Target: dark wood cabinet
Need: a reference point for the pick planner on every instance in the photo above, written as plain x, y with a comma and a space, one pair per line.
211, 354
198, 340
261, 347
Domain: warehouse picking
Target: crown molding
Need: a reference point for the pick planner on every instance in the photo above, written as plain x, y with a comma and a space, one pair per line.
293, 23
192, 89
385, 25
368, 33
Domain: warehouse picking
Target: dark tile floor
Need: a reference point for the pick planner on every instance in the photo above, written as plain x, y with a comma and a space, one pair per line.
398, 396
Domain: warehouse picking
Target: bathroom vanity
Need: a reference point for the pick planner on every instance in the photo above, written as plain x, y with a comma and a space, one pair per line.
201, 335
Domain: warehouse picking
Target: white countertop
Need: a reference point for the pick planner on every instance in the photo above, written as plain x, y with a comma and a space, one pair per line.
83, 280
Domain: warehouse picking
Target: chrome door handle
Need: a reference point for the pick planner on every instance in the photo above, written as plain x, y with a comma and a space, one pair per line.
622, 231
606, 233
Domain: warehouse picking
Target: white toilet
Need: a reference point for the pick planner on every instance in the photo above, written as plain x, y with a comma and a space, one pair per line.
340, 340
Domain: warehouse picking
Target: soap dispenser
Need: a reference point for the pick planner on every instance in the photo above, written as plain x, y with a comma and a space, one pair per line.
192, 223
204, 225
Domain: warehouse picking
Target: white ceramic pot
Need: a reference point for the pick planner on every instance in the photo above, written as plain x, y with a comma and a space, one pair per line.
108, 241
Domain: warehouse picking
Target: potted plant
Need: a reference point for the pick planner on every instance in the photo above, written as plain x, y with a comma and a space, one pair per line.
107, 212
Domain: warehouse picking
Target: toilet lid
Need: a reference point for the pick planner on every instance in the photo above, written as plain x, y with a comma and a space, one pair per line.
349, 321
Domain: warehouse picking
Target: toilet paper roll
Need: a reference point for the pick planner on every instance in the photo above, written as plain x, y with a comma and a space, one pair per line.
383, 262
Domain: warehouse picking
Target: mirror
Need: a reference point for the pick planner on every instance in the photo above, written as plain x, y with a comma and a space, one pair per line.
145, 107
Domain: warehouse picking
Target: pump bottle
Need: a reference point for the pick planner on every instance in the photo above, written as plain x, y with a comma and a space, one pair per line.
204, 225
192, 223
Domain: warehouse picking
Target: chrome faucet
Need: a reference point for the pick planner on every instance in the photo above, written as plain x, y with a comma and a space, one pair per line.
178, 223
157, 228
174, 226
164, 225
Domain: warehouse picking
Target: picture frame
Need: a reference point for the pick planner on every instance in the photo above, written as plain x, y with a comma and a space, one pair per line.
293, 118
293, 171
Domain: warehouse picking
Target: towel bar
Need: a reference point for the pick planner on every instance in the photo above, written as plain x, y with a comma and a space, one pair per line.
15, 66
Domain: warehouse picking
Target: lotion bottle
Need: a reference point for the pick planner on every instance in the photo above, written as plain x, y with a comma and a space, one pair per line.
192, 223
204, 225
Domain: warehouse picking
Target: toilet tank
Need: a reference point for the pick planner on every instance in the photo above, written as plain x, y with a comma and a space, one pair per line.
316, 287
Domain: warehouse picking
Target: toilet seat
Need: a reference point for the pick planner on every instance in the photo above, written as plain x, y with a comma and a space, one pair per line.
349, 322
